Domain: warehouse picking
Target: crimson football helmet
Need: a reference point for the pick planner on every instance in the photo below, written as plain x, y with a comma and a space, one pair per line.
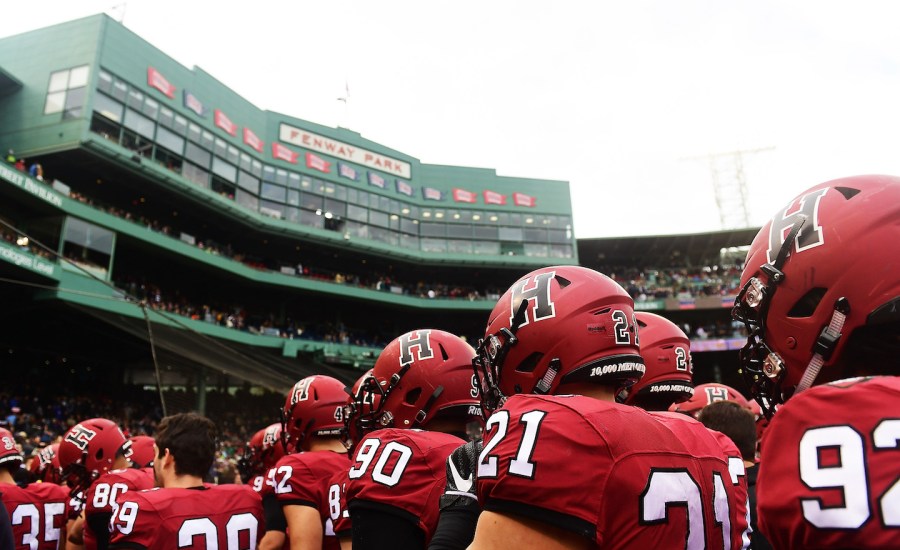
358, 404
825, 265
667, 355
262, 452
705, 394
142, 454
554, 326
45, 465
420, 376
8, 450
314, 406
89, 449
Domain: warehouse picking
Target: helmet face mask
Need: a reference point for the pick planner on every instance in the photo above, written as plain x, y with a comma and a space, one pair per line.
821, 273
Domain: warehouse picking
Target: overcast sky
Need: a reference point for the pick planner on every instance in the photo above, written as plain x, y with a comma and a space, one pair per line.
624, 100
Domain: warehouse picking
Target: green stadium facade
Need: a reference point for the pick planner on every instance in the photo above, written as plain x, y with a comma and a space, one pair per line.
163, 230
168, 209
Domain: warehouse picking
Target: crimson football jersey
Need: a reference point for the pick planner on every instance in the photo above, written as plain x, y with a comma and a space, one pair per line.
212, 516
683, 425
37, 513
337, 508
611, 473
304, 479
106, 490
402, 471
828, 476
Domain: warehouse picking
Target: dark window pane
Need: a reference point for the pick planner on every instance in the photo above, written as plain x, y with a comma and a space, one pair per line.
197, 155
222, 168
108, 107
273, 192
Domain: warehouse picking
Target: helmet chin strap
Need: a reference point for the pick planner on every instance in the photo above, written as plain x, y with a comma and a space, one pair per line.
825, 344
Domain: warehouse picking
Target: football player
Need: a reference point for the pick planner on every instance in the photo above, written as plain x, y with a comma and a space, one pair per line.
45, 466
262, 452
563, 464
37, 510
820, 298
94, 460
142, 452
666, 351
406, 419
257, 468
184, 511
313, 422
706, 394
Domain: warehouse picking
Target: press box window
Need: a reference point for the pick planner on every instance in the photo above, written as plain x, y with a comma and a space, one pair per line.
66, 92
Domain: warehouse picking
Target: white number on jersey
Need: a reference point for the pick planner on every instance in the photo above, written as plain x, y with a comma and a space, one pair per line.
849, 475
32, 514
676, 487
369, 449
521, 465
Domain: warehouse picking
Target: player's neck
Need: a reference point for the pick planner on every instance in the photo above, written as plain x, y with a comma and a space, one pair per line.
587, 389
121, 463
327, 444
6, 477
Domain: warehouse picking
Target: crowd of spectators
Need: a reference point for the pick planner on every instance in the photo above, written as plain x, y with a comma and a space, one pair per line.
238, 318
642, 284
39, 416
681, 283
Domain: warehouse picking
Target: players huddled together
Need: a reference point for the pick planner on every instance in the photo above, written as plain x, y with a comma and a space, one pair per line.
573, 423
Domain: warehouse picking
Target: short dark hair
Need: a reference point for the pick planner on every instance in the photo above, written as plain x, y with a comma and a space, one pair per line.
191, 438
733, 420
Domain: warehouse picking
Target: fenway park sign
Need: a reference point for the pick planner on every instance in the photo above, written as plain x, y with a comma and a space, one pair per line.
344, 151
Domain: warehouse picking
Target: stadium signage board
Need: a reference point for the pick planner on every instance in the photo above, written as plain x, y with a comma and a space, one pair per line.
38, 190
345, 151
10, 254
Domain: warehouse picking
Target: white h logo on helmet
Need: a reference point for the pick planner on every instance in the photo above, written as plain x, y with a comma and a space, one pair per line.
422, 341
543, 307
810, 234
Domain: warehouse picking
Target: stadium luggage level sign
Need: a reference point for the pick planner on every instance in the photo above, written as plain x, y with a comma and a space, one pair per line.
343, 151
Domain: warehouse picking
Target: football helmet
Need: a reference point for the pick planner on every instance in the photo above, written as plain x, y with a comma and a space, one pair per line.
142, 454
45, 464
8, 450
262, 452
88, 450
420, 376
705, 394
667, 355
554, 326
824, 266
314, 406
358, 404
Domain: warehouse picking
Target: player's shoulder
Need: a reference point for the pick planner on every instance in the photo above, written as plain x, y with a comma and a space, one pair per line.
694, 434
232, 491
10, 491
129, 476
47, 491
852, 401
421, 440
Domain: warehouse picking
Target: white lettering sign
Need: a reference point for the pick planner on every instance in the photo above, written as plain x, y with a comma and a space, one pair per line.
328, 146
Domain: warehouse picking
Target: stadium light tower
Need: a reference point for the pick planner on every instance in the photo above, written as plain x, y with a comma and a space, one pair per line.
730, 185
